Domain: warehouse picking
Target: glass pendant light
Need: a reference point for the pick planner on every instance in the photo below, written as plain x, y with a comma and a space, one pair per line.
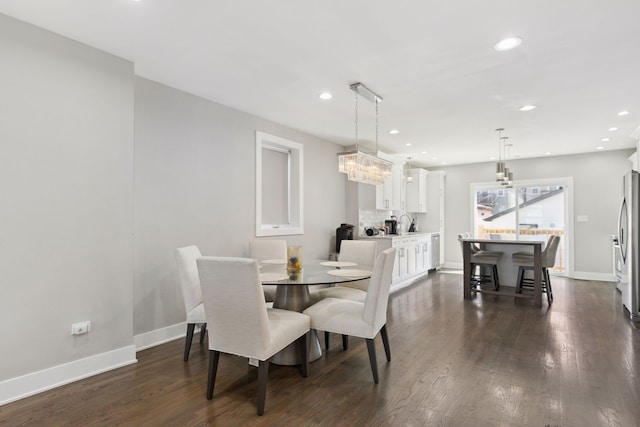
360, 166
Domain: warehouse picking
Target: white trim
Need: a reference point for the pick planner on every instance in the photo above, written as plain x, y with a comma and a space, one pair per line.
36, 382
587, 275
453, 265
297, 187
567, 181
160, 336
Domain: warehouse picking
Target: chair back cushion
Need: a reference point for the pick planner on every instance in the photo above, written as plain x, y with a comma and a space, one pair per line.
268, 249
234, 303
188, 276
358, 251
549, 253
375, 306
467, 235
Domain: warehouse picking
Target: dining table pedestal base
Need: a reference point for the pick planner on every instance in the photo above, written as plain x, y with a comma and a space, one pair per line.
295, 298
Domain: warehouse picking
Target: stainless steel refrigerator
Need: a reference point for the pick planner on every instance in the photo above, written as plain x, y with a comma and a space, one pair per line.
627, 249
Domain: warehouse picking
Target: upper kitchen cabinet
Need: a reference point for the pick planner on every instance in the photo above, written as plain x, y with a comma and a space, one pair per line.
416, 191
390, 195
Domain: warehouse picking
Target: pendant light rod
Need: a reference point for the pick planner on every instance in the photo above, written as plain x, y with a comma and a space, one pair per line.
360, 88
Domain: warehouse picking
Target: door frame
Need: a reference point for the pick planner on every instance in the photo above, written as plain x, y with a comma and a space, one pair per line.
566, 181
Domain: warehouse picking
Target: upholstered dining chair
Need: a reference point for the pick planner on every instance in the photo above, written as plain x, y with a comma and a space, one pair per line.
480, 260
524, 261
190, 284
364, 320
361, 252
262, 250
240, 322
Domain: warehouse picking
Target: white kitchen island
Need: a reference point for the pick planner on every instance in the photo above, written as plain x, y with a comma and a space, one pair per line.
414, 256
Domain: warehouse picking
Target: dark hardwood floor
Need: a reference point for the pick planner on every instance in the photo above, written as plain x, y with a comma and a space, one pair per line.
491, 361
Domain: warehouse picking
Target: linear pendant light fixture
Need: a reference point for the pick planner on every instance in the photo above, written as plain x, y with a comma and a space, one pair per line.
504, 174
359, 166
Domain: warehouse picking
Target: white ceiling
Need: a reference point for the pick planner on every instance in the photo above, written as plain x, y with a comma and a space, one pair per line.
444, 87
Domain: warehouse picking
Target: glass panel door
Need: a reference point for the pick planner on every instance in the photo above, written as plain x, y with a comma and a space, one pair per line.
495, 218
524, 212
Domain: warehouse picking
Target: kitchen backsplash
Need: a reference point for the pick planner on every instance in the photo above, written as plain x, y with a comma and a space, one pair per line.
376, 217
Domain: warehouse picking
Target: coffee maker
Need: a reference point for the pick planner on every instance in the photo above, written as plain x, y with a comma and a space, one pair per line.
392, 225
344, 232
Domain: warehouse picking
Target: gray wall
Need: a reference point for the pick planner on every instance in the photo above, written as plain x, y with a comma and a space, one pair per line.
597, 191
94, 204
195, 184
66, 180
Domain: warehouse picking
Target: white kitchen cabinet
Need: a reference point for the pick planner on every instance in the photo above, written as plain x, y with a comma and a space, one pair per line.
435, 207
416, 191
413, 256
425, 254
384, 194
390, 194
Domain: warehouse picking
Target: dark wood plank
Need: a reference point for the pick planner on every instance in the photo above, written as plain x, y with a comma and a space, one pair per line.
489, 360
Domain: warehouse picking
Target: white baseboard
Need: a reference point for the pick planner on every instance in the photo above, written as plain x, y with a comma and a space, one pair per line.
161, 336
36, 382
452, 265
586, 275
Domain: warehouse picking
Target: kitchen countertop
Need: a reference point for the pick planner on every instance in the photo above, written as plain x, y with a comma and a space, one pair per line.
400, 236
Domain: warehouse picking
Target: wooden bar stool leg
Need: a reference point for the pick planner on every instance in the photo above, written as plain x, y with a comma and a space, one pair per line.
519, 281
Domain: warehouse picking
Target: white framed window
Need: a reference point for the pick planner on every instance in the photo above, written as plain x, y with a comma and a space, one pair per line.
279, 186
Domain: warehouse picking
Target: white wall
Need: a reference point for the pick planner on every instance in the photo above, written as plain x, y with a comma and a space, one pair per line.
66, 180
597, 191
195, 184
76, 188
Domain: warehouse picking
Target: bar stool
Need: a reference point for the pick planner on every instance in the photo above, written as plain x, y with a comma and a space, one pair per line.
524, 261
482, 259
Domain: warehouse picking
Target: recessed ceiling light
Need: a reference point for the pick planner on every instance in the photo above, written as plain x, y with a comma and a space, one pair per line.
507, 44
600, 148
492, 158
326, 95
527, 108
408, 144
394, 132
444, 163
548, 153
606, 139
434, 158
424, 152
613, 129
623, 113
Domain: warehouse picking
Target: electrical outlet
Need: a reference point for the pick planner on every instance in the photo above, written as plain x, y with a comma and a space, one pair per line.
80, 328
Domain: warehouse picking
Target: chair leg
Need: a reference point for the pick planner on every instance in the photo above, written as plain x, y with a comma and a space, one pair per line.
548, 286
371, 347
214, 357
188, 339
345, 342
203, 332
263, 371
519, 281
326, 340
496, 280
385, 342
304, 344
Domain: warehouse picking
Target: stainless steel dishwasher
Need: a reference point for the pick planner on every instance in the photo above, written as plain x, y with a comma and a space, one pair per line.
435, 250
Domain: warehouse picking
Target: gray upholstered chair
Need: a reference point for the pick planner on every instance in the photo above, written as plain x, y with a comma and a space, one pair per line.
364, 320
240, 322
262, 250
524, 261
190, 285
480, 260
361, 252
